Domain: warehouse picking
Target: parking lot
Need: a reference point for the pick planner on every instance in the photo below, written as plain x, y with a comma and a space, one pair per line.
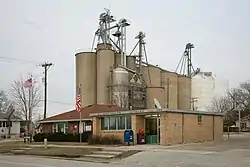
230, 153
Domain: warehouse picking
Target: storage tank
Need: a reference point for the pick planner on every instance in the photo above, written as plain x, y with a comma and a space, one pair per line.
170, 83
154, 73
120, 87
184, 92
155, 92
86, 76
105, 61
205, 86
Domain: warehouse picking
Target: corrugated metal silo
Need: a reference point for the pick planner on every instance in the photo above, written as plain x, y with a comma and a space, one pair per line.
86, 76
170, 83
184, 92
105, 61
120, 87
155, 92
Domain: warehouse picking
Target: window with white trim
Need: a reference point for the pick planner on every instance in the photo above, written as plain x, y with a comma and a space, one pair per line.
54, 128
60, 127
5, 124
116, 123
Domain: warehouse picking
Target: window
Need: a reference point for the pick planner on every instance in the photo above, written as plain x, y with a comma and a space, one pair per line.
55, 130
128, 122
112, 123
105, 123
66, 127
120, 123
7, 124
116, 123
199, 119
243, 124
61, 127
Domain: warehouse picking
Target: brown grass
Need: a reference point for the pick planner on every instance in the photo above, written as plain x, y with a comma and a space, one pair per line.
26, 149
61, 143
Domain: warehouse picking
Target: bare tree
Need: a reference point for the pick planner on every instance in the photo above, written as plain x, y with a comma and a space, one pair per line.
241, 98
222, 105
26, 96
4, 102
236, 104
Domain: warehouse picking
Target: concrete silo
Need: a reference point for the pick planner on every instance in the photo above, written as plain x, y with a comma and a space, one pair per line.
118, 60
105, 63
86, 76
184, 92
152, 75
155, 92
131, 64
169, 82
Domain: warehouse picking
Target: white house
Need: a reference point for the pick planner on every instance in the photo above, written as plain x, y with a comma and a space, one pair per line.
245, 123
14, 126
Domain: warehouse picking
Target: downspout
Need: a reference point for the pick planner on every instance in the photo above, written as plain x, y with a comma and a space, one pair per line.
213, 128
182, 128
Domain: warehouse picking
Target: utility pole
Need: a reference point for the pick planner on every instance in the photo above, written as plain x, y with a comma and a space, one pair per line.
193, 100
168, 92
239, 121
46, 66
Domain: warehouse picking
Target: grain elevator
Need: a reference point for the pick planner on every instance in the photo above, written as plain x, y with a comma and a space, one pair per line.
109, 75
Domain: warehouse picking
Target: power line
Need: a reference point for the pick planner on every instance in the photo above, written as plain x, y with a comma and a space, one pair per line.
21, 61
59, 102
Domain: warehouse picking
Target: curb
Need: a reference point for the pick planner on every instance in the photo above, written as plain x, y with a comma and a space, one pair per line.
82, 159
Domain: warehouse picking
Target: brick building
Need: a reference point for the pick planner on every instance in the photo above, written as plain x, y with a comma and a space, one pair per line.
69, 122
164, 127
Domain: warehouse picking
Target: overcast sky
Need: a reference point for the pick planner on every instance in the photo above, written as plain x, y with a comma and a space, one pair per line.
54, 30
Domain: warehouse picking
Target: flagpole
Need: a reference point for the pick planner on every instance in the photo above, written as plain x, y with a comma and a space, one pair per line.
80, 126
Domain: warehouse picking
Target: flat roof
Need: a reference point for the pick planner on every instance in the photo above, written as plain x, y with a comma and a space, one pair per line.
154, 111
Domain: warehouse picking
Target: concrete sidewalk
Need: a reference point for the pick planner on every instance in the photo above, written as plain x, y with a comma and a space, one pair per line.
121, 148
146, 147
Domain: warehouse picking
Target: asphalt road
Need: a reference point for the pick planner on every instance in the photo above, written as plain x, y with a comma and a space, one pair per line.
232, 153
29, 161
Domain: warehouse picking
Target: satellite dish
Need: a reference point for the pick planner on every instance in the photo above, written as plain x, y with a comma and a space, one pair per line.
157, 104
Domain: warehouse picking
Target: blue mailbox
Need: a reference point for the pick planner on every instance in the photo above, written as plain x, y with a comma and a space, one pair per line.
128, 136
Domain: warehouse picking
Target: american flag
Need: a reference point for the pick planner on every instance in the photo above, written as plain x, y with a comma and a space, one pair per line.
78, 100
28, 83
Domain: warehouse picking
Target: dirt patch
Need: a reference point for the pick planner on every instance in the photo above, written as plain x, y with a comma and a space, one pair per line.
6, 147
126, 154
